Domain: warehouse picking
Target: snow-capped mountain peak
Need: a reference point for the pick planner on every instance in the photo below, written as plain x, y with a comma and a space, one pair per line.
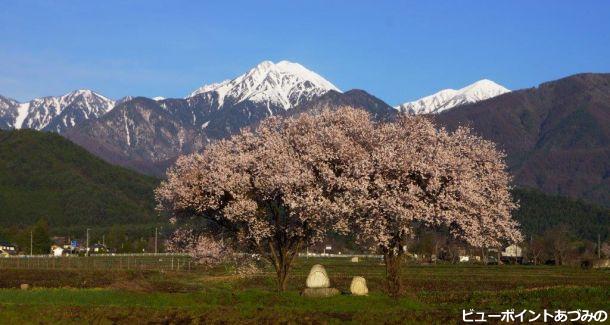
449, 98
284, 84
58, 113
483, 89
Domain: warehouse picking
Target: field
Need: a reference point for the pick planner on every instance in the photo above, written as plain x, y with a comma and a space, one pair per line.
435, 293
106, 262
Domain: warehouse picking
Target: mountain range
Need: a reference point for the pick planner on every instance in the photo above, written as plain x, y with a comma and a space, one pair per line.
54, 113
449, 98
553, 134
556, 136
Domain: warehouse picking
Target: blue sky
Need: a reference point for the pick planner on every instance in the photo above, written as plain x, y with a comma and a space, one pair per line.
396, 50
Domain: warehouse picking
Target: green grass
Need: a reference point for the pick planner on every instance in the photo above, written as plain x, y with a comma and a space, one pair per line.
434, 294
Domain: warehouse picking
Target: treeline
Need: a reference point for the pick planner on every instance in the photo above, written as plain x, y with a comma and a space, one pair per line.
540, 212
35, 239
138, 238
556, 227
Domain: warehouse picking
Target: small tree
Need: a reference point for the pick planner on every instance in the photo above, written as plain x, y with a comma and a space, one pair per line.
41, 240
536, 250
203, 248
559, 243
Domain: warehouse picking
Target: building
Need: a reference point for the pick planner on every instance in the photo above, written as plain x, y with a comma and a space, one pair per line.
57, 250
7, 249
512, 253
98, 248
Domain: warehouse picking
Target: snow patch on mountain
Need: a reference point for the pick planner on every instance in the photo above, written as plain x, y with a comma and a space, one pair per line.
284, 84
449, 98
22, 113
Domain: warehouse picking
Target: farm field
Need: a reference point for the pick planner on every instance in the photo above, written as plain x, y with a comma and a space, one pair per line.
105, 262
435, 294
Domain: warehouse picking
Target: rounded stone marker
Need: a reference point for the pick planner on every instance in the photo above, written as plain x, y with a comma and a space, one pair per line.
317, 277
358, 286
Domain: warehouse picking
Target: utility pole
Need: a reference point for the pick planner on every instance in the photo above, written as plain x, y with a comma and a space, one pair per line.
599, 247
156, 237
88, 241
31, 242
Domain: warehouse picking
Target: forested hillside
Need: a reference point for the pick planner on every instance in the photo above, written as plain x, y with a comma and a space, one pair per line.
539, 212
556, 136
43, 175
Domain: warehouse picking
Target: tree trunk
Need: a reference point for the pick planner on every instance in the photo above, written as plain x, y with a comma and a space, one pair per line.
282, 258
392, 264
282, 276
282, 263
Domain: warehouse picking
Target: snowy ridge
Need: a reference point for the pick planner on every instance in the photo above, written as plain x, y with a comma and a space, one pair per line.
123, 100
62, 111
284, 84
449, 98
8, 112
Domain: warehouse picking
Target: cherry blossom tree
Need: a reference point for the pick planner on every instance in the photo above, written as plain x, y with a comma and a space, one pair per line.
270, 189
286, 183
203, 248
421, 176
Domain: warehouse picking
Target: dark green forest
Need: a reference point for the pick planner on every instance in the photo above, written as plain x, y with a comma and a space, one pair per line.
539, 212
45, 176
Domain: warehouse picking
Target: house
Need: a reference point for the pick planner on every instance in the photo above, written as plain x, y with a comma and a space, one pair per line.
99, 248
512, 253
73, 248
69, 249
7, 249
57, 250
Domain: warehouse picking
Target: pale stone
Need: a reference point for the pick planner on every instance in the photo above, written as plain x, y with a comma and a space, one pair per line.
358, 286
320, 292
25, 286
355, 259
317, 277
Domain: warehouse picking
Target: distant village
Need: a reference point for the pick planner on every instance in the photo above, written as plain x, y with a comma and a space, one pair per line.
64, 246
61, 246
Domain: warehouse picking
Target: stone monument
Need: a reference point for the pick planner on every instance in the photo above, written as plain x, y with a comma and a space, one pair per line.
358, 286
318, 283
